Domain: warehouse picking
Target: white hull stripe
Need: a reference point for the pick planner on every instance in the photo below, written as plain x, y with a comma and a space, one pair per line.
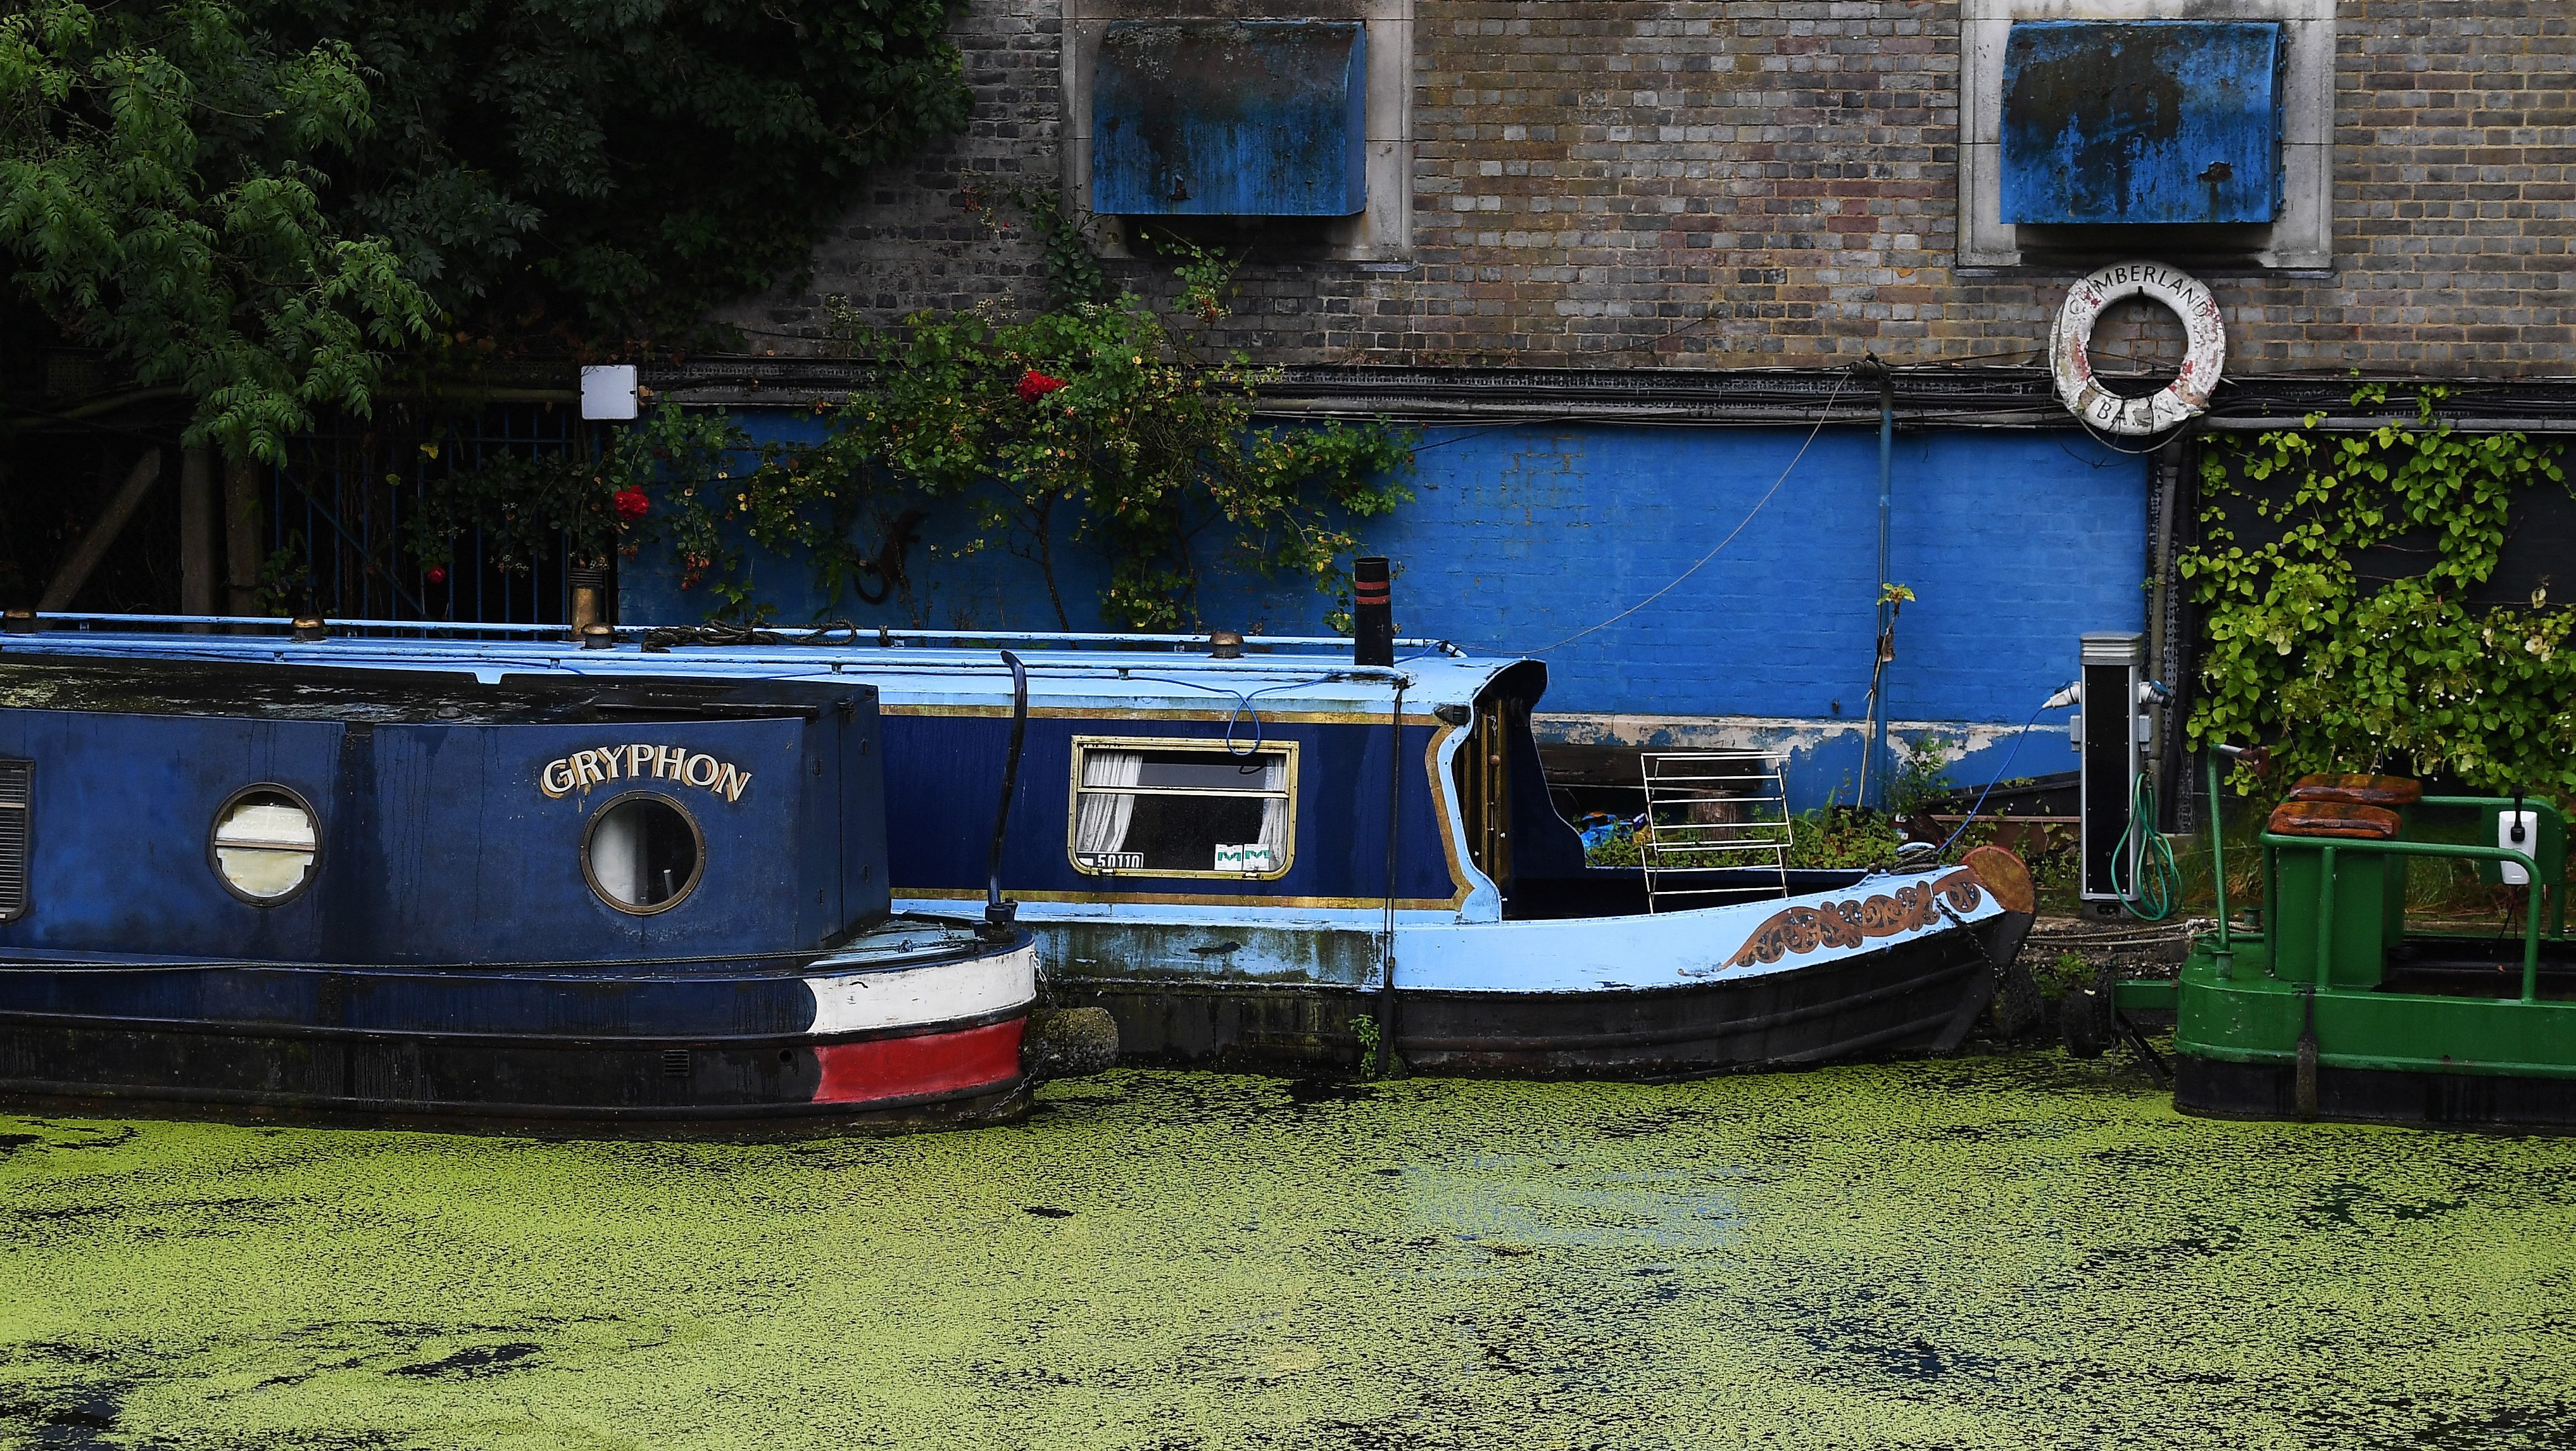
921, 997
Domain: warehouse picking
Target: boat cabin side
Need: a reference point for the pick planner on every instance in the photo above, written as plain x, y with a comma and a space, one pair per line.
1342, 799
1278, 786
1258, 793
220, 810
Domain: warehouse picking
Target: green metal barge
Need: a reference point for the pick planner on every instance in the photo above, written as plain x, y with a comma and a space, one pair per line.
2331, 1009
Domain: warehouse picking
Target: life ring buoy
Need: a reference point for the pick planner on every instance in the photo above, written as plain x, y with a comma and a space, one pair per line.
2204, 350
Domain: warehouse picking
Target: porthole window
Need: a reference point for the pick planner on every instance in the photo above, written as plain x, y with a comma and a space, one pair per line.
1183, 808
265, 844
643, 853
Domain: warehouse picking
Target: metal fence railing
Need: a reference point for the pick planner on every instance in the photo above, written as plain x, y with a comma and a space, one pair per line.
338, 514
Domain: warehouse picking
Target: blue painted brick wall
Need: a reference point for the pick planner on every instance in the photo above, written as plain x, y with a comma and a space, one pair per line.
1521, 537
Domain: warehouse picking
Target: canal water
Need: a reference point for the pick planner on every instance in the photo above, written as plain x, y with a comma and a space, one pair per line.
2001, 1252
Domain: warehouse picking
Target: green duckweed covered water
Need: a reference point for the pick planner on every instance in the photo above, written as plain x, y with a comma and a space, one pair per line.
2011, 1252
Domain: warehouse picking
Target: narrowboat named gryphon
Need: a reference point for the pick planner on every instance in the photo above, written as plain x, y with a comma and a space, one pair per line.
433, 895
1269, 853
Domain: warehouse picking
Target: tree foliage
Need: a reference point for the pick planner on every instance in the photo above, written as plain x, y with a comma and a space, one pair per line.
261, 203
2337, 676
590, 173
161, 194
1100, 424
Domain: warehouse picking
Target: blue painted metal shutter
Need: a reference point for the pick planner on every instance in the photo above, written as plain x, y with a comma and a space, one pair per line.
1256, 118
2153, 122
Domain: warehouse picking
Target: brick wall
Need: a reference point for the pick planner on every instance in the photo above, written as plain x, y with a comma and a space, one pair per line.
1642, 183
928, 234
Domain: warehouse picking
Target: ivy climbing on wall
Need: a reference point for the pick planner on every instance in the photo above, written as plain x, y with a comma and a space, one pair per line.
2303, 652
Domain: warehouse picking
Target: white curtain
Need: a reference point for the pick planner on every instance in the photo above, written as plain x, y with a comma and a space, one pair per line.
1100, 826
617, 856
1274, 812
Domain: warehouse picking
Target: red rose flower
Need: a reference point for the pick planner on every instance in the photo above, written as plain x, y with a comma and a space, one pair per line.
631, 503
1035, 385
438, 574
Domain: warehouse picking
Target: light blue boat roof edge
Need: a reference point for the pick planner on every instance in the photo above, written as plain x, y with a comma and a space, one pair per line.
1158, 673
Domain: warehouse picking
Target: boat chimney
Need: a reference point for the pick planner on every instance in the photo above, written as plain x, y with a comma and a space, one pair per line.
1225, 645
308, 628
589, 584
1372, 612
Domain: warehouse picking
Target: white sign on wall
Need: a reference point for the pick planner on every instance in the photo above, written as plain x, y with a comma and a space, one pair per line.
608, 392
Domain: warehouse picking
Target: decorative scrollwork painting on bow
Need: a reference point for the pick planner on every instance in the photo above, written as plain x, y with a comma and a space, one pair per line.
1797, 930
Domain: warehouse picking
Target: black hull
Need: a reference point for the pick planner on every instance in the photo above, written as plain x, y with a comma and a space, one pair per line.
666, 1044
1918, 996
252, 1071
1294, 1028
2209, 1088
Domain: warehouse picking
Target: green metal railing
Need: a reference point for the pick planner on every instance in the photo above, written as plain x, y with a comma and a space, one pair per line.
2222, 955
2328, 846
2541, 887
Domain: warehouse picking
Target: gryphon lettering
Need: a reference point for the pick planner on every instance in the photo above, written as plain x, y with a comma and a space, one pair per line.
584, 769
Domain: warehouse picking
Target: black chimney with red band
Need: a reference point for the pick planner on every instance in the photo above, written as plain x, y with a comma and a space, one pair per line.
1372, 612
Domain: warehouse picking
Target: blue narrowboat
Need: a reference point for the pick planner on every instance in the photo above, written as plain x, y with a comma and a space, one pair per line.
1266, 853
481, 894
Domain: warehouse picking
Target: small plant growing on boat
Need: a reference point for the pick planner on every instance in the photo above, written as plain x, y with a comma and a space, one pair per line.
1614, 846
1842, 836
1830, 836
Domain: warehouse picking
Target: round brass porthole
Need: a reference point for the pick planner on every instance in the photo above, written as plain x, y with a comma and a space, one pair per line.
643, 853
265, 845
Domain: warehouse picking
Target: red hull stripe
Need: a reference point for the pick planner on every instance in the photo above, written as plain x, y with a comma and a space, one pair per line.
913, 1067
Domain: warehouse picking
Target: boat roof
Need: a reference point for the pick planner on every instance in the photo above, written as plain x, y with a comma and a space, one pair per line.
34, 678
958, 669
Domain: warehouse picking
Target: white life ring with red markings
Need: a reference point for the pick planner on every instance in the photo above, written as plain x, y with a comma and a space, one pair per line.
2204, 349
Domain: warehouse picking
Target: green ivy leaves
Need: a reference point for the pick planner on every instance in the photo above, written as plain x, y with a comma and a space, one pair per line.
2298, 651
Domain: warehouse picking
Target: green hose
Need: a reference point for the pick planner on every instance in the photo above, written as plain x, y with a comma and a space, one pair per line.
2155, 891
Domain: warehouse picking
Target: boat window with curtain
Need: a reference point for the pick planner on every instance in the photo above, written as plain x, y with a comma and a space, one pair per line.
1183, 808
